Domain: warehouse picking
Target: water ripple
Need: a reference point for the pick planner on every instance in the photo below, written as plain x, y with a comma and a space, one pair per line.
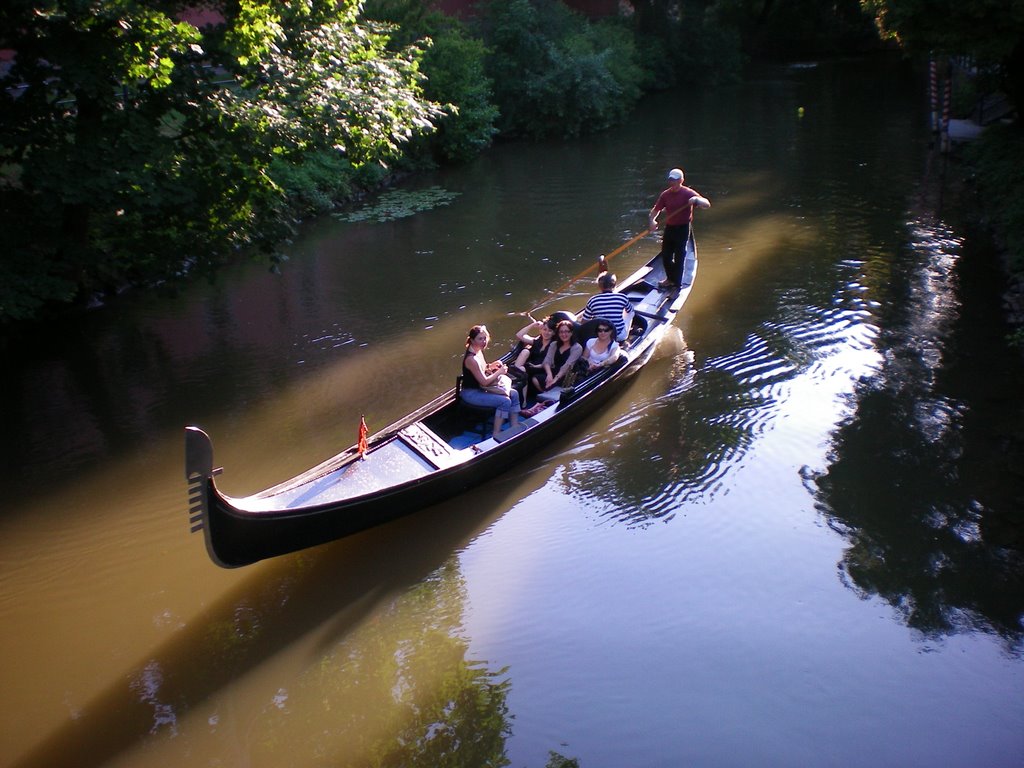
712, 414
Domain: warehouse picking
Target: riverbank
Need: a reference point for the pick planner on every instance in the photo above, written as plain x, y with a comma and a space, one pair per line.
990, 193
979, 186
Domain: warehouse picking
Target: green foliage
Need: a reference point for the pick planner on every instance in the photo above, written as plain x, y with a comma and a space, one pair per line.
990, 31
987, 29
454, 68
555, 73
998, 158
27, 283
693, 42
794, 29
557, 760
709, 50
315, 180
135, 149
456, 75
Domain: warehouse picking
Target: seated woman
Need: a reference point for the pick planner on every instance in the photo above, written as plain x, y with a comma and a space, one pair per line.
478, 375
561, 356
602, 350
530, 361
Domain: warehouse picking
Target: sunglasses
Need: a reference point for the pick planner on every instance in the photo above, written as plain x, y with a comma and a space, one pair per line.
604, 330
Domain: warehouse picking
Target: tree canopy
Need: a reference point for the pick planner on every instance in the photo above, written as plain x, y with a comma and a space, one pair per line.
126, 134
990, 31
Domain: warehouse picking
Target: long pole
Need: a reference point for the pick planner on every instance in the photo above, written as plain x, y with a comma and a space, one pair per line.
601, 262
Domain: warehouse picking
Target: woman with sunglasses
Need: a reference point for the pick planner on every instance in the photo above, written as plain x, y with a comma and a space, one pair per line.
602, 350
562, 355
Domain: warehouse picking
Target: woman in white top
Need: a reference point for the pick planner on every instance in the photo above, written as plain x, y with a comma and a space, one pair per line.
601, 350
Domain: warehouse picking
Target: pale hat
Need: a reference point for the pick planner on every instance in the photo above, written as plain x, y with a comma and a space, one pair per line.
675, 173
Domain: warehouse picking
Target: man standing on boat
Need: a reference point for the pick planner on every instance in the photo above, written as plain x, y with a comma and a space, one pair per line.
679, 202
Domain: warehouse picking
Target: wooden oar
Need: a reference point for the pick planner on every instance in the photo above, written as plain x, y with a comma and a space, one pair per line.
602, 262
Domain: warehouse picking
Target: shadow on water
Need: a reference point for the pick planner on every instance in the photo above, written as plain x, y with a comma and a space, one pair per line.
925, 480
362, 671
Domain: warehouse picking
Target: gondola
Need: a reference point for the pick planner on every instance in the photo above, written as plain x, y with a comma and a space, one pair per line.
432, 454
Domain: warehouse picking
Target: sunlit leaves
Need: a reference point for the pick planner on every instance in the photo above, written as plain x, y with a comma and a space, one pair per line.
988, 29
138, 147
336, 84
254, 33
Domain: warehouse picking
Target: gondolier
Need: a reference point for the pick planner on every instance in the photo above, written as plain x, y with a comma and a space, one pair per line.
679, 201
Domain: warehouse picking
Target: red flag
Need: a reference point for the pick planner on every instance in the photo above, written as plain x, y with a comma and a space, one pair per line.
361, 443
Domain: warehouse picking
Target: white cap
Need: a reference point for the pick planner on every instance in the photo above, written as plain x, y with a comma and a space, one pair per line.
675, 173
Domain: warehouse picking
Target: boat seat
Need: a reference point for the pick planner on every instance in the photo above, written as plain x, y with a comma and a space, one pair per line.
588, 330
479, 418
636, 329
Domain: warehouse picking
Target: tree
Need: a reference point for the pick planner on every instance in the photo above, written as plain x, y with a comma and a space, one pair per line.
555, 73
791, 29
133, 146
991, 31
454, 67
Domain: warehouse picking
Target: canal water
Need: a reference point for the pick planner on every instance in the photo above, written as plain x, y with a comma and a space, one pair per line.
794, 539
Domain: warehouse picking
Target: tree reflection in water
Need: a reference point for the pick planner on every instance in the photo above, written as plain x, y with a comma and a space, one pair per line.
708, 420
324, 658
925, 480
397, 691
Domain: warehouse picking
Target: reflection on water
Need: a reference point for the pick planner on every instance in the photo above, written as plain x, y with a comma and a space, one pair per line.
715, 411
398, 690
924, 482
375, 659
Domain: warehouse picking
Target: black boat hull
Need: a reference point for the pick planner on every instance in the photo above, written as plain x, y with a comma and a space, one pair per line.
236, 539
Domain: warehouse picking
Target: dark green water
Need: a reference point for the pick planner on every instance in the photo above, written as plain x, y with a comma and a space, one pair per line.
794, 540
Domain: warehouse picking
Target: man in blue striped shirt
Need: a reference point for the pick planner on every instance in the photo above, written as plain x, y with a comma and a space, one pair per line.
609, 305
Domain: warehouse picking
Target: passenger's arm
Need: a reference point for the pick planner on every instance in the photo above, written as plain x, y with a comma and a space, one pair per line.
549, 360
613, 354
523, 334
484, 378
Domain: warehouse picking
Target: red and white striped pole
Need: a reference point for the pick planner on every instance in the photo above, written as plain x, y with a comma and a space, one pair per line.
933, 92
947, 101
